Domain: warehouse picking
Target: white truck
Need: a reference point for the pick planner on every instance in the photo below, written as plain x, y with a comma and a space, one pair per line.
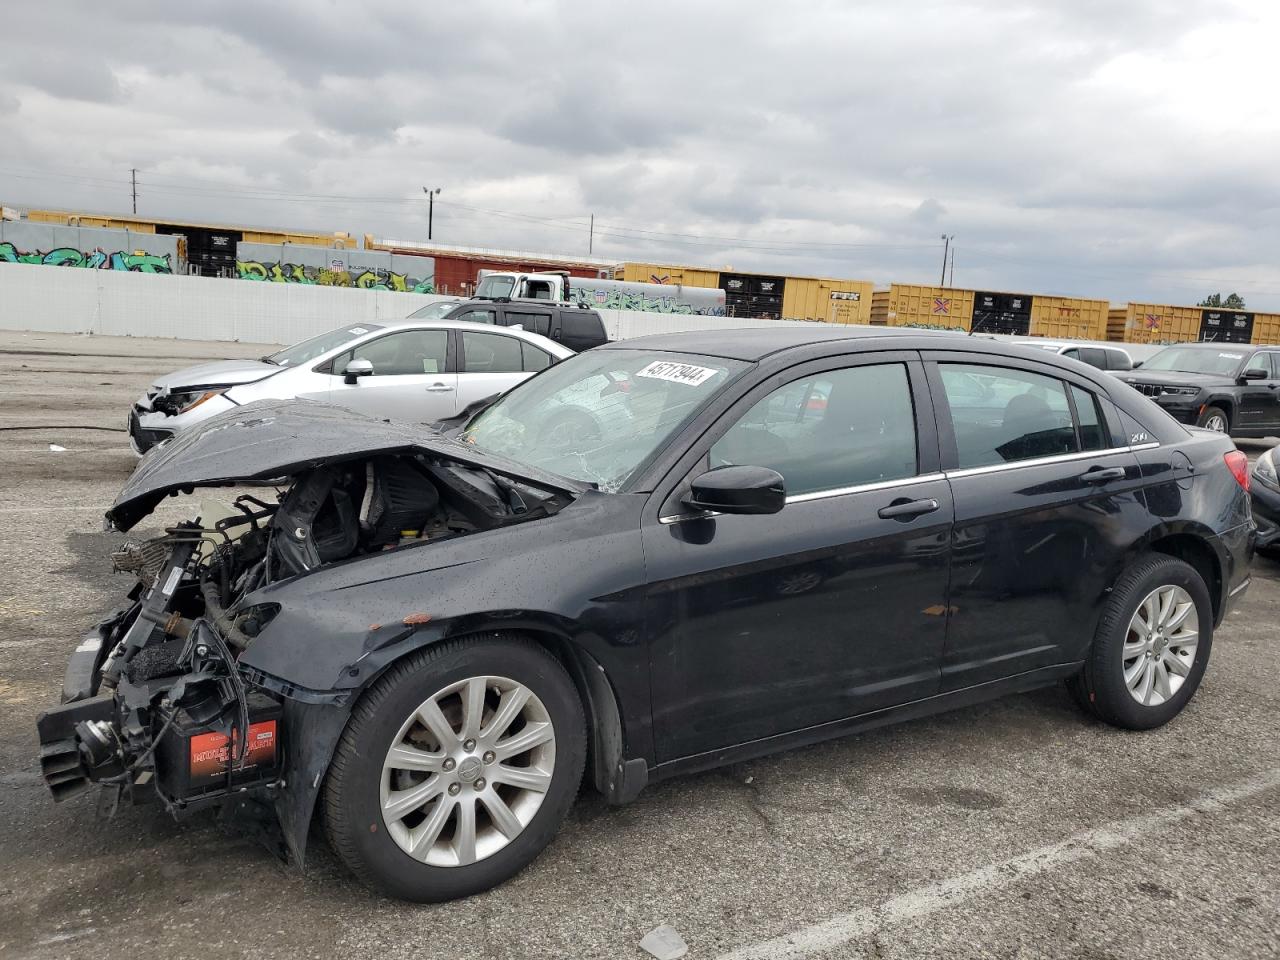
599, 293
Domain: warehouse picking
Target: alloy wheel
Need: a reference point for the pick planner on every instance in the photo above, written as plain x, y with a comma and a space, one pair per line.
467, 771
1216, 423
1160, 646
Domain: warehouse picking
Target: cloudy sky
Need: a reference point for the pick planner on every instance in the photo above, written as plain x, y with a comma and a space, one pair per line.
1127, 149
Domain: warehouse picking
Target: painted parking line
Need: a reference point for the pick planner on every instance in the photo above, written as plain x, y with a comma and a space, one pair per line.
944, 894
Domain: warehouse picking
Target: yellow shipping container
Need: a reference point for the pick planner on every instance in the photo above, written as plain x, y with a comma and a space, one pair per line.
1266, 328
139, 225
1154, 323
660, 273
1068, 318
931, 308
828, 301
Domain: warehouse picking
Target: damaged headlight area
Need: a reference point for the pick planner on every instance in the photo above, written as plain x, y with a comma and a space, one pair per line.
172, 404
156, 703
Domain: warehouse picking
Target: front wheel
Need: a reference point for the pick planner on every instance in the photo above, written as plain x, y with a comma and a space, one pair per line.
456, 769
1215, 419
1151, 648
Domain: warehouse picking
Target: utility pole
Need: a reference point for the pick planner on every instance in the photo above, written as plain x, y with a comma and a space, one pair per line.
591, 236
431, 207
946, 248
951, 280
134, 172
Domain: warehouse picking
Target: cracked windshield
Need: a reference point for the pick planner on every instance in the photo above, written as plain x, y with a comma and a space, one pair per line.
597, 417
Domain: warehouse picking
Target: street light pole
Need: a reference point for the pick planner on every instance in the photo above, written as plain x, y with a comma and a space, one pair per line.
946, 247
431, 207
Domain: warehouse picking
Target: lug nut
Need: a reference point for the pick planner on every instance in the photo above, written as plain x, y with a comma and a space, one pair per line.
479, 784
449, 763
489, 756
468, 745
453, 789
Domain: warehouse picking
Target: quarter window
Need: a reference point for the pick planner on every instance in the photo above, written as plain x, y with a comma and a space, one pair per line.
490, 353
836, 429
1091, 432
1002, 415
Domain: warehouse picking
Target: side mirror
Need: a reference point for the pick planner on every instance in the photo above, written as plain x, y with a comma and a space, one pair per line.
1254, 373
742, 489
357, 369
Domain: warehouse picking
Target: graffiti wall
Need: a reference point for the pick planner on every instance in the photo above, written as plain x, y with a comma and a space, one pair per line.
89, 248
648, 297
328, 267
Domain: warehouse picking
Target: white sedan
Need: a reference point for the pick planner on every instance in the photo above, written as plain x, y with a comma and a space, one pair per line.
406, 370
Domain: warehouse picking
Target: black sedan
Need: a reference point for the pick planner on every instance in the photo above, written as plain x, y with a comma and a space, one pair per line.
424, 639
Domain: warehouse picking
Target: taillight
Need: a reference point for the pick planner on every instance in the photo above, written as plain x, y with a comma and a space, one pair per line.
1238, 464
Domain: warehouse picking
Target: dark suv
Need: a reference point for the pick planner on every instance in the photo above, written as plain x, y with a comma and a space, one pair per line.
576, 328
1229, 388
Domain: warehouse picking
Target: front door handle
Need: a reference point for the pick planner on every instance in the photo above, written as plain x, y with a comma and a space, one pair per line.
439, 388
1102, 474
906, 509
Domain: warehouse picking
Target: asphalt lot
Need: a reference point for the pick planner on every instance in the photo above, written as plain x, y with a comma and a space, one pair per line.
1014, 829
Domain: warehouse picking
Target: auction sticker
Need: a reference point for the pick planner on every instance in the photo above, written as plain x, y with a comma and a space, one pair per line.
1231, 356
686, 373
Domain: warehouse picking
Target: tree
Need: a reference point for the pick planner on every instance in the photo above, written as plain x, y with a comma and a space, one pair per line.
1232, 301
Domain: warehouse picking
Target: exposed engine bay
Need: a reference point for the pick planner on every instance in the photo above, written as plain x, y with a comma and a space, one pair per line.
156, 703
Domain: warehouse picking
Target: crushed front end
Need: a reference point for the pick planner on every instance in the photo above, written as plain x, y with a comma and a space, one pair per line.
162, 700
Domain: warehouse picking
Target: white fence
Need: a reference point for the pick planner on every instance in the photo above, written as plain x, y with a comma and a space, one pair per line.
68, 300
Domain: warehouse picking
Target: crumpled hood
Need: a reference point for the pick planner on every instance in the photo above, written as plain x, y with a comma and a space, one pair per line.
273, 439
218, 373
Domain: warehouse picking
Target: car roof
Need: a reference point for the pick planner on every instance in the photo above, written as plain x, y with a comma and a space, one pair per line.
523, 304
756, 343
551, 346
1211, 345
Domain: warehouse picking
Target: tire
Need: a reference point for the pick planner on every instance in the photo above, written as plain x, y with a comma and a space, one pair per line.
1118, 660
375, 845
1216, 419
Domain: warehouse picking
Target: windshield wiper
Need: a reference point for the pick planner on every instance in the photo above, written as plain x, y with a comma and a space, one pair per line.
267, 359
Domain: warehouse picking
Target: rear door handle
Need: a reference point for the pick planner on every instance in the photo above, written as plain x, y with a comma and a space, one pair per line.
1102, 474
439, 388
906, 509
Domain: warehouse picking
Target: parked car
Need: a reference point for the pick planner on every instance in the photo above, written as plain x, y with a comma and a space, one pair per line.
1098, 355
430, 636
576, 327
1228, 387
1265, 493
413, 370
436, 310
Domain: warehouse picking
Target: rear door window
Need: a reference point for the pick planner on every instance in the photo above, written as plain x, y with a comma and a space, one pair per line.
535, 359
1001, 414
490, 353
539, 323
837, 429
477, 316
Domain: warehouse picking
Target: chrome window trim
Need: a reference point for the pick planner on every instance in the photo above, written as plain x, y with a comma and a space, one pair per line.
928, 477
862, 487
1036, 462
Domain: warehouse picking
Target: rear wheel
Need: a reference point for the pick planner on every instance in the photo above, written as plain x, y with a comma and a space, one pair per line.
1215, 419
456, 769
1151, 648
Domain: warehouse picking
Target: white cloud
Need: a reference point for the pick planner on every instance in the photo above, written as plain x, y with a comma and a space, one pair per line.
1123, 150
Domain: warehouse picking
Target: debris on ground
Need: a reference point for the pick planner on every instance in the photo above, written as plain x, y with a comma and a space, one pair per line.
665, 943
54, 448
